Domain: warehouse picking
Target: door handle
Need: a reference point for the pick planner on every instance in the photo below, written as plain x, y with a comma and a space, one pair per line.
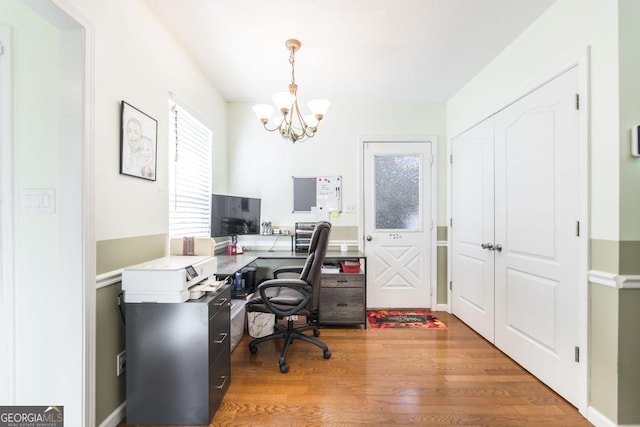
487, 246
369, 238
498, 247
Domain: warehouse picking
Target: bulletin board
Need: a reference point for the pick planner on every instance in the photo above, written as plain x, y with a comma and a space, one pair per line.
320, 192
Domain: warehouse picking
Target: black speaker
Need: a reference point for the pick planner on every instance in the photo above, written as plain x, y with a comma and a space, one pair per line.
249, 277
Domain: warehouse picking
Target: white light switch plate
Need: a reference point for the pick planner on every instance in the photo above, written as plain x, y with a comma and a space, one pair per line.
39, 200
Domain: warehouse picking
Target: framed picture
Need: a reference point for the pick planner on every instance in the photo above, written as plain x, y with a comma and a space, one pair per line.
138, 143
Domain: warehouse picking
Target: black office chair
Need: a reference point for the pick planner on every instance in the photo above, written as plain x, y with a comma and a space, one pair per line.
287, 297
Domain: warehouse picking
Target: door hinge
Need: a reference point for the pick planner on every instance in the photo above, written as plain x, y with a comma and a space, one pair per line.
431, 159
450, 285
450, 222
1, 49
577, 101
578, 228
576, 354
451, 158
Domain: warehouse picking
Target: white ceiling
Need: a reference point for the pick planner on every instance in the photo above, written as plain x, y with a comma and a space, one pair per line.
366, 50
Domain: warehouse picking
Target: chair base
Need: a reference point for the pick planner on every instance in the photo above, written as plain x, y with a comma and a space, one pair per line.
289, 334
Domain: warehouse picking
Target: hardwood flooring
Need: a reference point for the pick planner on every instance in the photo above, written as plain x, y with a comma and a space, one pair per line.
389, 377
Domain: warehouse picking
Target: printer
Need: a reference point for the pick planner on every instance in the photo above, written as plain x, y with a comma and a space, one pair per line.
167, 279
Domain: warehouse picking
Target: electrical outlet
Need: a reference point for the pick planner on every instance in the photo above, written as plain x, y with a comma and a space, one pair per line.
121, 363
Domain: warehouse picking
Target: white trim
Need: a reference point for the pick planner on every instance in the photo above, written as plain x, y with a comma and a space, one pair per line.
596, 418
443, 307
432, 140
115, 417
442, 243
108, 279
613, 280
7, 291
67, 18
584, 162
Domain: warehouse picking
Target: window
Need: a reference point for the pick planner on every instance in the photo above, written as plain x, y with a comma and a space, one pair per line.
189, 174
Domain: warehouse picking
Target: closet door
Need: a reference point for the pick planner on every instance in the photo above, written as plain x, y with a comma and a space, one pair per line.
536, 209
472, 233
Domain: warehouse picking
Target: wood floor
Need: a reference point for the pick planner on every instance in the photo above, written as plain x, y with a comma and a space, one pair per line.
389, 377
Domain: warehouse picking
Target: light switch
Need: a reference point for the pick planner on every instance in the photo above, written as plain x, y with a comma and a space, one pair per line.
38, 200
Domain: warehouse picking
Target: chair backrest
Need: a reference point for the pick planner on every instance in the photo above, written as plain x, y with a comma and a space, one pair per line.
313, 266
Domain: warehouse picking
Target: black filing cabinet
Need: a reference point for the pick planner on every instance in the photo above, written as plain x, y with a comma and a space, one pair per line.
178, 359
342, 299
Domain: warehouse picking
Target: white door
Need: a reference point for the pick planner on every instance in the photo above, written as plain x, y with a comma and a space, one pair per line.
536, 214
398, 224
472, 228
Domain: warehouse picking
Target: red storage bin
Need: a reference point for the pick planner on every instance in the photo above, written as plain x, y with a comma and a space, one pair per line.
350, 266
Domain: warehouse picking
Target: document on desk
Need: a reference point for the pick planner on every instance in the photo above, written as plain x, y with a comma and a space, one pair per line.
209, 285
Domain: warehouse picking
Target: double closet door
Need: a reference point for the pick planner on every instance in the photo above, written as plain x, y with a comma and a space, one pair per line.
514, 232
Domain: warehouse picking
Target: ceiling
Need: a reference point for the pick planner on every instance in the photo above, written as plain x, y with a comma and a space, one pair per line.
364, 50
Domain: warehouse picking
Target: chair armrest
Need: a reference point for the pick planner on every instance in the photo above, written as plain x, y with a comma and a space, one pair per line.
287, 269
285, 303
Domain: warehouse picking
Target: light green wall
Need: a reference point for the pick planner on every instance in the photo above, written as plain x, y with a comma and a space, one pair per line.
115, 254
443, 276
629, 355
110, 340
603, 351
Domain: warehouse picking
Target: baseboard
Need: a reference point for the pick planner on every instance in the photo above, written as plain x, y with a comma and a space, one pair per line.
115, 417
441, 307
596, 418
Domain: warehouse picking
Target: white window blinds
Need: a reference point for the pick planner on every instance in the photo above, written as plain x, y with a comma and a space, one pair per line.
189, 175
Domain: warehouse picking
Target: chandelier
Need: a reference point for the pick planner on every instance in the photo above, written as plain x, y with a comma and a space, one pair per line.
291, 124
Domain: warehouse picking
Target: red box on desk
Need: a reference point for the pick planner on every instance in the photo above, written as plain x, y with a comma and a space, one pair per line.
350, 266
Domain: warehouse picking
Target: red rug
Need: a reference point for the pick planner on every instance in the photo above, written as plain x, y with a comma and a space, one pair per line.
410, 319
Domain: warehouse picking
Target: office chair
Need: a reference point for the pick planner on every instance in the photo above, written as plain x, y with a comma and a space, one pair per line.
287, 297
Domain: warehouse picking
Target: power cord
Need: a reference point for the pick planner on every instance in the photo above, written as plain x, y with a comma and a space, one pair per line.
120, 307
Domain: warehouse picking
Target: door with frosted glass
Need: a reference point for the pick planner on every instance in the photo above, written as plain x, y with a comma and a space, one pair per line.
398, 224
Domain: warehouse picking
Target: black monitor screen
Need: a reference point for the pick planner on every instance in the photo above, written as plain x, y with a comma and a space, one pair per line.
233, 215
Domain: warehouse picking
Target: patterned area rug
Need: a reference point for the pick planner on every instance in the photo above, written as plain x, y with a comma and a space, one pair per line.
415, 319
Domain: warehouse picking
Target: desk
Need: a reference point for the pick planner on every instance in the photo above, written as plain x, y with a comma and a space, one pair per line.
342, 296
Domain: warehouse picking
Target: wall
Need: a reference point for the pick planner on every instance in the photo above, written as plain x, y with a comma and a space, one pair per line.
629, 299
266, 163
136, 60
557, 39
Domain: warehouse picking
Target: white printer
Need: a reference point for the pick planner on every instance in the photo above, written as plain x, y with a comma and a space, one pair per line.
166, 279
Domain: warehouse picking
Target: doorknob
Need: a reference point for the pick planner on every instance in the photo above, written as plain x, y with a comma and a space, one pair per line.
498, 248
369, 238
487, 246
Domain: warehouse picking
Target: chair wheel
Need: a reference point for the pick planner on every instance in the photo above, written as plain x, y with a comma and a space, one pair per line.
253, 349
326, 354
316, 333
284, 367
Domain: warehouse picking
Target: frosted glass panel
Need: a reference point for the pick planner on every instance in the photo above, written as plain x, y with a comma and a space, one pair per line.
397, 192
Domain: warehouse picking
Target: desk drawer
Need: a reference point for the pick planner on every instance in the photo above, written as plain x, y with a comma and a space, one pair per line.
342, 280
341, 305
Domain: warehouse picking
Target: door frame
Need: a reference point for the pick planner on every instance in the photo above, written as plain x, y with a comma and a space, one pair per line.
7, 332
433, 188
583, 65
77, 57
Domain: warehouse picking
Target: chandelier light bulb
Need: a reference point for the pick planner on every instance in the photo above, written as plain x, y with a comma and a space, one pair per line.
263, 112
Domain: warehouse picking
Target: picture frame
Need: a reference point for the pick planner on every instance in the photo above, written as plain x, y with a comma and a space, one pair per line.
138, 143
